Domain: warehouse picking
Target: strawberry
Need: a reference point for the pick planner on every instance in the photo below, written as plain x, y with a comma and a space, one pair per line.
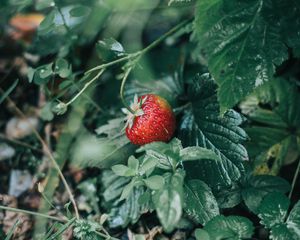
152, 120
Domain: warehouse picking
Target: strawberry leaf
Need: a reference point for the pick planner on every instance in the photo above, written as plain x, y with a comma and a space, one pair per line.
203, 126
244, 41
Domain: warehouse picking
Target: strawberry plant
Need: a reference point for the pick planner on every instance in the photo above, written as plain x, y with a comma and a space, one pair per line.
163, 119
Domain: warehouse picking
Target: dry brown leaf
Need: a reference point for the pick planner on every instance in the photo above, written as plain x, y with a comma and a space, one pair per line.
23, 26
10, 218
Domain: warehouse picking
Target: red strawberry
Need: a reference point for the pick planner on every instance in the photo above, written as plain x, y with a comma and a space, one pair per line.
153, 120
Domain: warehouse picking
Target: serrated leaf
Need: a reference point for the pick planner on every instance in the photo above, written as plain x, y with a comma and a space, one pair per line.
229, 197
273, 110
231, 227
168, 201
197, 153
243, 42
154, 182
112, 128
121, 213
255, 188
281, 232
273, 213
200, 203
293, 221
203, 126
168, 87
273, 209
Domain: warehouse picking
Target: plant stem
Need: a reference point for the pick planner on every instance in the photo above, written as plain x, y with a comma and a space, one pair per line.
48, 152
122, 90
142, 52
85, 87
12, 230
106, 65
163, 37
17, 142
31, 213
62, 229
295, 179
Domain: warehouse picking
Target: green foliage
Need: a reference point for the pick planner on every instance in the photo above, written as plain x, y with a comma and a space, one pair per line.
121, 213
221, 227
251, 189
244, 42
273, 213
274, 124
168, 201
85, 229
199, 203
76, 57
90, 151
203, 126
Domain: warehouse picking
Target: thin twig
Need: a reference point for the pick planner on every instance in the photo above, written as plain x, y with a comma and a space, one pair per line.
32, 213
47, 150
17, 142
122, 90
295, 179
85, 87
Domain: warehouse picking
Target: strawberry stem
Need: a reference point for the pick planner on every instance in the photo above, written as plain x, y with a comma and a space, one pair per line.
122, 90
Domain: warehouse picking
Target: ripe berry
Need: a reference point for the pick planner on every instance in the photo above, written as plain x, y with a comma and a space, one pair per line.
153, 120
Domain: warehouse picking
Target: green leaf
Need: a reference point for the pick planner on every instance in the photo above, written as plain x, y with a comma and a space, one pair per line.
121, 213
127, 190
273, 110
46, 112
90, 151
197, 153
62, 68
80, 11
168, 201
155, 182
255, 188
133, 163
201, 234
232, 227
293, 221
48, 23
166, 154
89, 190
200, 203
229, 197
148, 164
168, 87
42, 4
281, 232
243, 42
108, 49
9, 91
203, 126
273, 209
273, 213
122, 170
